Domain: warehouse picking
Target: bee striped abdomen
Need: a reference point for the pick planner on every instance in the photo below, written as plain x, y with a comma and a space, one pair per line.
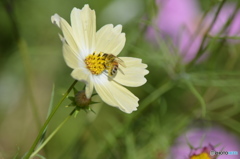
114, 70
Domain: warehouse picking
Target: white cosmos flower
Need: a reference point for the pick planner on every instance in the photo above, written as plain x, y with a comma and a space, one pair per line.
84, 50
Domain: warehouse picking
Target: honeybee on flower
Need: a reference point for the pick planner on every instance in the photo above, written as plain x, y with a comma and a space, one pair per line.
91, 54
112, 64
102, 61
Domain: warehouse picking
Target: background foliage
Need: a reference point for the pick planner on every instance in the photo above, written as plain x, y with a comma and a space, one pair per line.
171, 101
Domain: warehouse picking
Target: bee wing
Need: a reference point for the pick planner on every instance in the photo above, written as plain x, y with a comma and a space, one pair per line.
121, 71
120, 61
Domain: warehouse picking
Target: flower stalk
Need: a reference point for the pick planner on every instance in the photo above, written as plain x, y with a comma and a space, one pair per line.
47, 122
199, 97
52, 134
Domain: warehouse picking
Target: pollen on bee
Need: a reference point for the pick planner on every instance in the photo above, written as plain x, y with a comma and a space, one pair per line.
95, 63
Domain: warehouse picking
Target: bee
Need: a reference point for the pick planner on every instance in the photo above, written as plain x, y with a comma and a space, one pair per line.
111, 64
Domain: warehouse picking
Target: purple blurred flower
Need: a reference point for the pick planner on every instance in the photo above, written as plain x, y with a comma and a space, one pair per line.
226, 12
176, 20
204, 141
179, 20
203, 153
176, 15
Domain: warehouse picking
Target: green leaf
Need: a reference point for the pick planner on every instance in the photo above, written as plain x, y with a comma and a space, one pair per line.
49, 112
40, 156
17, 153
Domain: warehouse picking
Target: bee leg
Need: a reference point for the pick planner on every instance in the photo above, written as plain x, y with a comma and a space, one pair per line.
121, 71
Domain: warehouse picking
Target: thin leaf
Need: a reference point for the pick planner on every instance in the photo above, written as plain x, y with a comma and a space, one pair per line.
40, 156
49, 111
198, 96
17, 153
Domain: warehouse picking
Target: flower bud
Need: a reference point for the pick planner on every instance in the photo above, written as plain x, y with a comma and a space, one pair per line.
81, 99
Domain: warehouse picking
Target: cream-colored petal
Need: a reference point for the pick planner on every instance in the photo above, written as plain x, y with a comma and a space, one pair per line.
83, 75
84, 29
114, 94
110, 40
71, 57
67, 31
56, 19
89, 88
133, 74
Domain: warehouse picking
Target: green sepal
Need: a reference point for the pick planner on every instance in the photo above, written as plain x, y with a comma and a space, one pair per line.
71, 105
84, 87
93, 102
76, 113
94, 94
71, 98
215, 146
78, 108
188, 143
92, 110
75, 91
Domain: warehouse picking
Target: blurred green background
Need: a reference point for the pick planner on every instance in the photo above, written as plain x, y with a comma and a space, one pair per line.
31, 63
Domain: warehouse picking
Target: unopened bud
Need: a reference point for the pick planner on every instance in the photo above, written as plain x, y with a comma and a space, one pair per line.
81, 99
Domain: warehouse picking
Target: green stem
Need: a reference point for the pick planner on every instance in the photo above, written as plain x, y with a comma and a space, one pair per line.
154, 95
52, 134
202, 45
144, 105
198, 96
47, 121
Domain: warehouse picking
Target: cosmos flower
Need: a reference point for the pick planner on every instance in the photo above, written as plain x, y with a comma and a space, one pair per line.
175, 16
178, 21
93, 57
203, 141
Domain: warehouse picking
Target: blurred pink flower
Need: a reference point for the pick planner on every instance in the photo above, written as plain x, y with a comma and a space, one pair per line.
176, 15
179, 20
226, 12
202, 153
204, 140
175, 20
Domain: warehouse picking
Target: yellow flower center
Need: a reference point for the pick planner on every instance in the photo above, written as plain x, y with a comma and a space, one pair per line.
201, 156
96, 63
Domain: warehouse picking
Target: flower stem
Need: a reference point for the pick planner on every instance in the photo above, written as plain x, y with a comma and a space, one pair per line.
52, 134
198, 96
202, 45
144, 105
153, 96
47, 121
